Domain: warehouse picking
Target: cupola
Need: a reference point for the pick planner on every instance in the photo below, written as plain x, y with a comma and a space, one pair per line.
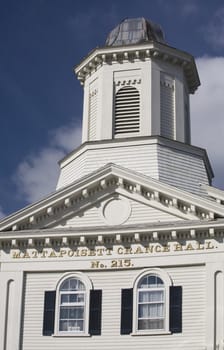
137, 85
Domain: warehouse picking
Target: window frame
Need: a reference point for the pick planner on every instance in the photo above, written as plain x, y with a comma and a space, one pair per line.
167, 283
88, 286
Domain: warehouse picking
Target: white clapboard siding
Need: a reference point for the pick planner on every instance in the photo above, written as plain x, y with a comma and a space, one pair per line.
191, 278
174, 167
140, 214
145, 214
89, 218
181, 170
136, 157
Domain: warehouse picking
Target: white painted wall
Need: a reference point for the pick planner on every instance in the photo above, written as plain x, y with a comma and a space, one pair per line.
199, 272
192, 278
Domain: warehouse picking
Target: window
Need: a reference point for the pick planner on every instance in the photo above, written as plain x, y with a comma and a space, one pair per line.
74, 308
151, 303
153, 306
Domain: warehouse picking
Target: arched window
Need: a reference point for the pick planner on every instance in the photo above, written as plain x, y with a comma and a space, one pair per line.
74, 308
72, 305
151, 303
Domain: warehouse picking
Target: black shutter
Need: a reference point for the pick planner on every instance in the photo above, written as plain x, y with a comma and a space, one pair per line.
49, 312
126, 310
176, 309
95, 312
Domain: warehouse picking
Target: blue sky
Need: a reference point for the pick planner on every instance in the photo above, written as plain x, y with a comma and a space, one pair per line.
41, 100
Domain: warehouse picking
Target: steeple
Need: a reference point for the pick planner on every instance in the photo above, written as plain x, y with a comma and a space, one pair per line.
136, 110
137, 85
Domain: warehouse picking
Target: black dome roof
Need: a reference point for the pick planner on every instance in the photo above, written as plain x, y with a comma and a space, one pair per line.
134, 31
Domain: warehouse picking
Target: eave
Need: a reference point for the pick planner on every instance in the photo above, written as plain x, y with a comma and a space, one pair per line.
153, 50
215, 193
97, 236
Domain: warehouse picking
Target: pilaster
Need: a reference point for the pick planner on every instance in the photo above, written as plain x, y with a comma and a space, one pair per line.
11, 287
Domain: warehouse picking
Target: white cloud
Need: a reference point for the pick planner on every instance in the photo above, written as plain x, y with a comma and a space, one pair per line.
214, 30
207, 113
66, 137
36, 176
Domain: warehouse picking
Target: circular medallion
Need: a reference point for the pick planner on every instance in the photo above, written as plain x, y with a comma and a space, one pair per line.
116, 211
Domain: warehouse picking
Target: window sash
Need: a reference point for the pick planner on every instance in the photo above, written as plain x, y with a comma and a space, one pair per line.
151, 295
151, 308
150, 324
150, 311
72, 306
72, 298
74, 326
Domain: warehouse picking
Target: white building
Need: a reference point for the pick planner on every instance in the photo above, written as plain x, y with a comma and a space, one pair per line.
128, 252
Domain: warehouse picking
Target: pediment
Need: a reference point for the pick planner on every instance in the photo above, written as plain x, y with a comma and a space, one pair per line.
75, 203
118, 210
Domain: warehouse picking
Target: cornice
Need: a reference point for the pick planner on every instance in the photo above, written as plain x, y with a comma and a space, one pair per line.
107, 236
138, 140
215, 193
109, 55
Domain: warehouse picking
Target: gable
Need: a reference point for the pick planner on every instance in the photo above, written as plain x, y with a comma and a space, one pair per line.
86, 193
118, 210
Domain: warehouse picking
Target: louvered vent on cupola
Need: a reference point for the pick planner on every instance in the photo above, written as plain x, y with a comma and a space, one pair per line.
167, 106
92, 115
127, 111
92, 110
